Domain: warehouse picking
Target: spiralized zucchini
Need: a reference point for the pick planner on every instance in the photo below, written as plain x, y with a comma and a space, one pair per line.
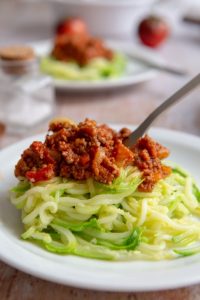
113, 222
97, 69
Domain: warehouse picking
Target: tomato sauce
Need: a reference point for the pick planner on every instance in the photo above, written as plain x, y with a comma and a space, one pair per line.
89, 150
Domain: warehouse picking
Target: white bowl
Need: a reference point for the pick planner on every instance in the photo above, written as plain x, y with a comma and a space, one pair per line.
107, 18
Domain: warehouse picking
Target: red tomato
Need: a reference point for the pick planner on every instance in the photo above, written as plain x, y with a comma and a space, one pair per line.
72, 26
40, 175
84, 159
153, 31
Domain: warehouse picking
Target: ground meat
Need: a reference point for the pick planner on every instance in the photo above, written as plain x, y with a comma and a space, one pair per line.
124, 133
148, 155
36, 157
80, 48
90, 150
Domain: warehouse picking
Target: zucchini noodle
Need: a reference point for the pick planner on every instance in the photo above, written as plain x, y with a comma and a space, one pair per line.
97, 69
112, 222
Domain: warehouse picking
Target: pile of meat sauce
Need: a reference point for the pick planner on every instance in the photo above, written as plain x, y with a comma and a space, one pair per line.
88, 150
80, 48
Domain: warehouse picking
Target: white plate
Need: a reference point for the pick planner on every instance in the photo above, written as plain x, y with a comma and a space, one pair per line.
135, 73
90, 273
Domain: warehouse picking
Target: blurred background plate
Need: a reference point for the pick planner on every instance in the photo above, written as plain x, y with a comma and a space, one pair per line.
135, 73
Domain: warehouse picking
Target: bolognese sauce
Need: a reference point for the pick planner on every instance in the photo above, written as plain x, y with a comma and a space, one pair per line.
80, 48
88, 150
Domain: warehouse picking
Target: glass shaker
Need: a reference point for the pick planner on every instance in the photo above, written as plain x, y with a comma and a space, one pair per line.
26, 95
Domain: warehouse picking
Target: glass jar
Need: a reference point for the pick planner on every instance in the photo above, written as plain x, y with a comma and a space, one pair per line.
26, 95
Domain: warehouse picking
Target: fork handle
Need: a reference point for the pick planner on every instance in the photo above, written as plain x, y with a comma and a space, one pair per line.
177, 96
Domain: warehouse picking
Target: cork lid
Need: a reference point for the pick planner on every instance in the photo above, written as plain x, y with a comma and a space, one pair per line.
17, 60
16, 53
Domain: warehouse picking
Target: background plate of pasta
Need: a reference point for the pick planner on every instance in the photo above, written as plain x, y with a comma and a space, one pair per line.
124, 70
123, 236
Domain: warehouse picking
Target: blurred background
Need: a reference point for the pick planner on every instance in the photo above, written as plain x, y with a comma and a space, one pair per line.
29, 21
36, 20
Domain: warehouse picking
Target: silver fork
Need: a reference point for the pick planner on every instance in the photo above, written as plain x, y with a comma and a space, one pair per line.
177, 96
